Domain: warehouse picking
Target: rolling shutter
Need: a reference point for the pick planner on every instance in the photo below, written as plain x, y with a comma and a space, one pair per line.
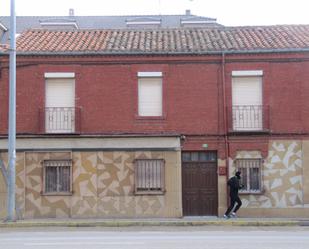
150, 97
60, 93
60, 105
247, 103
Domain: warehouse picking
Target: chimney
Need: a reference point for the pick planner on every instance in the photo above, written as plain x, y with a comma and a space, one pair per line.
188, 12
71, 12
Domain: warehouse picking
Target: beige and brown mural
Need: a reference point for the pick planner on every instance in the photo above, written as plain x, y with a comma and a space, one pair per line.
282, 176
20, 186
103, 186
36, 204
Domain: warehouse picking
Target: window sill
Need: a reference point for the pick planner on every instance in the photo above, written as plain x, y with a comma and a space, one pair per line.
149, 193
60, 133
150, 117
249, 132
251, 192
58, 194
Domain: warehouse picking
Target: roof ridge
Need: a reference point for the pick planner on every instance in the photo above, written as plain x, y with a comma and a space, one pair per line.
222, 28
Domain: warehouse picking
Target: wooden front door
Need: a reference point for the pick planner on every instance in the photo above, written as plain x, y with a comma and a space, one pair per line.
199, 183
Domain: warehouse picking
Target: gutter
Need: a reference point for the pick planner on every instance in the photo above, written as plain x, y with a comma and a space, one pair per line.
78, 136
225, 121
144, 53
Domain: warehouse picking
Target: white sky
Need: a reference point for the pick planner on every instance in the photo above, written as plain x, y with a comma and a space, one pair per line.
227, 12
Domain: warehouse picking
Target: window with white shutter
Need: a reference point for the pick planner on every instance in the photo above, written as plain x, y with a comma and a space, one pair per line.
247, 101
60, 103
150, 95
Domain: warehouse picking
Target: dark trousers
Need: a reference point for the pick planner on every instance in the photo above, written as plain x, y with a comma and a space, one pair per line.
234, 199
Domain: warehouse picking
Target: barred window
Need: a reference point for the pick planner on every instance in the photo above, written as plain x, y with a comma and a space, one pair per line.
149, 176
57, 176
251, 175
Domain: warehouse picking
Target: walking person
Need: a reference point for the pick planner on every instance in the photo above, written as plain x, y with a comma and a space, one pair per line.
234, 184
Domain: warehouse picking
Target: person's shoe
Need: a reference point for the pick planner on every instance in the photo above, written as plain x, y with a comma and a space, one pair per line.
233, 215
226, 216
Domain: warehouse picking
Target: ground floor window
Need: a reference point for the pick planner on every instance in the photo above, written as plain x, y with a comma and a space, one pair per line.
57, 176
149, 176
251, 175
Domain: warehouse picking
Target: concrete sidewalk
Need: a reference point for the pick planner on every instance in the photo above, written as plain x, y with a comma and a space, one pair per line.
186, 221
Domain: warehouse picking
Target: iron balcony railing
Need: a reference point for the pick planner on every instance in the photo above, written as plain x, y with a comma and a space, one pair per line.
249, 118
60, 120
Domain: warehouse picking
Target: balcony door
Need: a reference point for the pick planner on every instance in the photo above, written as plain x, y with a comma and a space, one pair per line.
60, 105
247, 103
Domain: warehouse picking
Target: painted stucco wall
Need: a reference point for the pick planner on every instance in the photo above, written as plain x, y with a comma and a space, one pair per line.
283, 174
20, 186
103, 186
306, 172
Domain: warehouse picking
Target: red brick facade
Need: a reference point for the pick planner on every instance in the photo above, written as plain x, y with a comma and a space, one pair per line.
106, 92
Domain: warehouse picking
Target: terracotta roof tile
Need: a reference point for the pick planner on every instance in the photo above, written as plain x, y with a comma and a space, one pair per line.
172, 41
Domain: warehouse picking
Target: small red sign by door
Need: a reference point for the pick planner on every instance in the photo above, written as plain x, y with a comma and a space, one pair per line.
222, 171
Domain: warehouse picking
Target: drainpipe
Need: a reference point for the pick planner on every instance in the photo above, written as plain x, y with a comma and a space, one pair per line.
12, 119
225, 122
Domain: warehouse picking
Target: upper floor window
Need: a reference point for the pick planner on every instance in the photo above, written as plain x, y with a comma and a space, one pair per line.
150, 94
60, 103
251, 175
247, 109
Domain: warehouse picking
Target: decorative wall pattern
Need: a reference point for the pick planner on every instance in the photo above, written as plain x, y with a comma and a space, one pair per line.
3, 190
103, 183
103, 186
282, 176
20, 185
36, 204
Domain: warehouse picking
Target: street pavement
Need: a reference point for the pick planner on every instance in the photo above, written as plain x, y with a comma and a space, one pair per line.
156, 237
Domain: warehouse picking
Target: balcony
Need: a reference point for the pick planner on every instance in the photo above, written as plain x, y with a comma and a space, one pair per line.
249, 118
60, 120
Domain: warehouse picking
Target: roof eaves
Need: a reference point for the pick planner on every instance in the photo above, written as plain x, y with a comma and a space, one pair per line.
122, 53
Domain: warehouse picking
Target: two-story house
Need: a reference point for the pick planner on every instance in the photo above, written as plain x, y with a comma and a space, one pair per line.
152, 123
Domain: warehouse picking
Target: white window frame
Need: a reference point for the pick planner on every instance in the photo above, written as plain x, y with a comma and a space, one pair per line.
244, 165
149, 75
247, 117
247, 73
56, 75
60, 119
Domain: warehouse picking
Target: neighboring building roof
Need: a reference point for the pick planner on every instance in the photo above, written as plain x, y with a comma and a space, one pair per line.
166, 41
101, 22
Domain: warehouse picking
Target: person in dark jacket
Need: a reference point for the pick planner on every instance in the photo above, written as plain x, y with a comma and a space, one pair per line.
234, 184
